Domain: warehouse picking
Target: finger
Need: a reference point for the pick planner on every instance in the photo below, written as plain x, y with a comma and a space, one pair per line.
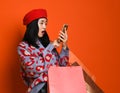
65, 31
56, 43
60, 35
62, 39
61, 32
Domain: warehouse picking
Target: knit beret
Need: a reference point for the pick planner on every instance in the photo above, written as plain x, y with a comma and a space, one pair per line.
34, 14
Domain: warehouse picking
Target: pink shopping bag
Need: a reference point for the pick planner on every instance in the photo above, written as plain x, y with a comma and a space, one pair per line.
66, 80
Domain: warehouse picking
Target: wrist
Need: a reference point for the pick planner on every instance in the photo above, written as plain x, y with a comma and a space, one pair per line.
64, 45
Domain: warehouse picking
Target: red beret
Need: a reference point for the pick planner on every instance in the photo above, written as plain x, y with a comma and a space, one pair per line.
34, 14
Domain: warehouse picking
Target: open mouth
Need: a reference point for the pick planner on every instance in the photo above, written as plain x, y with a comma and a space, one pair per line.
43, 32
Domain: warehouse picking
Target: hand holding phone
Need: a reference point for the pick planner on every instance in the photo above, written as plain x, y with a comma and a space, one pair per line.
65, 27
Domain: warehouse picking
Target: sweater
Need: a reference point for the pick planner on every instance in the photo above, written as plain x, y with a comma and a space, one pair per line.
35, 63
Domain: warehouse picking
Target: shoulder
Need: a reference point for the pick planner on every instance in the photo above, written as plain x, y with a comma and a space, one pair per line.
23, 44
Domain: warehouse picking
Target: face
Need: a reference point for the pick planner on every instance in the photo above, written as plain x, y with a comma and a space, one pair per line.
42, 23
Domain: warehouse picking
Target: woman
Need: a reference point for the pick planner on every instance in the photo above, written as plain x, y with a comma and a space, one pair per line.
37, 53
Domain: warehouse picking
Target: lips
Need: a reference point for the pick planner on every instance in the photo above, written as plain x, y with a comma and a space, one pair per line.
43, 32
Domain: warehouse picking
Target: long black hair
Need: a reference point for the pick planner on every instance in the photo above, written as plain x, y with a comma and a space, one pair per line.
31, 35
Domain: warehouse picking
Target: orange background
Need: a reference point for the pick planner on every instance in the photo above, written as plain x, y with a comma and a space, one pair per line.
94, 37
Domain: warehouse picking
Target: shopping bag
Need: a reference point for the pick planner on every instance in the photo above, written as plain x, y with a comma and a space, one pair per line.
66, 80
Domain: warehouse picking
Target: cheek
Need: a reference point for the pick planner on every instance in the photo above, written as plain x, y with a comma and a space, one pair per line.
39, 27
40, 33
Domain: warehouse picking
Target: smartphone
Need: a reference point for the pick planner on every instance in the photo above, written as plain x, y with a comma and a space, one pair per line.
65, 27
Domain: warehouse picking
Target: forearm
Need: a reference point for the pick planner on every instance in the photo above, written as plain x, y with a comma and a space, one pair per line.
64, 56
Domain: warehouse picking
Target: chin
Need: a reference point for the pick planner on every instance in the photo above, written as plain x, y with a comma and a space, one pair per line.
40, 36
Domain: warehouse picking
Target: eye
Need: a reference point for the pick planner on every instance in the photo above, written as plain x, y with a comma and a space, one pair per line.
41, 23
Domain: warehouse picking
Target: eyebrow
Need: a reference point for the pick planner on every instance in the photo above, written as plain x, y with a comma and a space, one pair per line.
42, 20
